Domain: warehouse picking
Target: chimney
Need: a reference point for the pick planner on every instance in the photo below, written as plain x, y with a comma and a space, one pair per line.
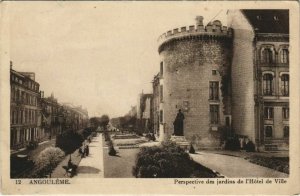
11, 64
199, 21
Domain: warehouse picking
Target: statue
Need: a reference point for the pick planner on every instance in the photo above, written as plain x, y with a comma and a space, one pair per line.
178, 124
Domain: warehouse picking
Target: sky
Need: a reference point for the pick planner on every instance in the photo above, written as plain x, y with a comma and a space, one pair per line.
100, 55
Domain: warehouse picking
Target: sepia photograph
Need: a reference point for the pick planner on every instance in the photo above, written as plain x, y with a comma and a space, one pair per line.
134, 90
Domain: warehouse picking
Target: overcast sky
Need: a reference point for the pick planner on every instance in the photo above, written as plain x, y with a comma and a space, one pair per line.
100, 55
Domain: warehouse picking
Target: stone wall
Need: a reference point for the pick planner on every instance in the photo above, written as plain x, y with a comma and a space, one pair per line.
188, 68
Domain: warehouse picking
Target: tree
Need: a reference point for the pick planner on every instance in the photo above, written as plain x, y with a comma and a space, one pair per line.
166, 161
69, 141
95, 122
48, 160
104, 120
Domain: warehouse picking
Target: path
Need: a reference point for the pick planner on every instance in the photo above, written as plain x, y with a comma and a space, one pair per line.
92, 166
234, 167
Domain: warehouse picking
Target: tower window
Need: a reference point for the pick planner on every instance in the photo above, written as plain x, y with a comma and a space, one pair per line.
161, 93
214, 114
214, 90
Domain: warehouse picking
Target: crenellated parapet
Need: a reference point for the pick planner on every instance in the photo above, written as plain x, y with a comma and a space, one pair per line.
213, 30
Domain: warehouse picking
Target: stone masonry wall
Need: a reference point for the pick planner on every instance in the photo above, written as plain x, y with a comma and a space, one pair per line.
188, 66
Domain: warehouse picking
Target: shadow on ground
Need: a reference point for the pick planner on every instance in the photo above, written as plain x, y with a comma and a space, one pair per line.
87, 170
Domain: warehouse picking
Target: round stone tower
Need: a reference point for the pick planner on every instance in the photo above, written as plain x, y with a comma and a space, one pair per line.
195, 77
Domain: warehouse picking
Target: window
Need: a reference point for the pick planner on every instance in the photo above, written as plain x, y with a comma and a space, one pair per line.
214, 72
214, 90
268, 113
18, 95
22, 116
285, 84
268, 84
214, 114
284, 56
161, 93
285, 113
161, 69
286, 131
161, 116
268, 131
267, 55
26, 115
13, 117
13, 94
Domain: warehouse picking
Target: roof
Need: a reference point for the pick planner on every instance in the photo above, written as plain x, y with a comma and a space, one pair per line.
268, 21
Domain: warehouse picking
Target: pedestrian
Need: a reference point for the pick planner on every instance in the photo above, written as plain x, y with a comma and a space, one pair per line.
80, 152
87, 150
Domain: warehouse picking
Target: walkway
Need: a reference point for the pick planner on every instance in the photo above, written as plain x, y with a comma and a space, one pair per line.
234, 167
92, 166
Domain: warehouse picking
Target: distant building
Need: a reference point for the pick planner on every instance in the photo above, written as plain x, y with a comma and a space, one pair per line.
156, 121
75, 117
226, 80
144, 123
25, 112
52, 113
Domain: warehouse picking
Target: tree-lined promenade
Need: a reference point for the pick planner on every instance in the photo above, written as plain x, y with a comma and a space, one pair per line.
105, 151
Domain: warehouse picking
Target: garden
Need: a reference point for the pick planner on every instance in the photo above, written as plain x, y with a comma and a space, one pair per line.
168, 161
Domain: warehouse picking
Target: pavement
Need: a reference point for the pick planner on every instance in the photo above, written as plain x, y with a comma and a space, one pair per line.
234, 167
92, 165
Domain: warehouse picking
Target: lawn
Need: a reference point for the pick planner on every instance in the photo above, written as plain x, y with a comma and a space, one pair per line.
277, 163
119, 166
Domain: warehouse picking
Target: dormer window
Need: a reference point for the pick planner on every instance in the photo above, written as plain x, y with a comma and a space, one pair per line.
276, 18
258, 17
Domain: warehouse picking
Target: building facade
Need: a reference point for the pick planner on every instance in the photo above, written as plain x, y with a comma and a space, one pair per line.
74, 117
226, 80
144, 113
156, 107
261, 65
52, 113
25, 112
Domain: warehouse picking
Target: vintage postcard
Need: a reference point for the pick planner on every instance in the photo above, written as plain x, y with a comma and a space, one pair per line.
142, 97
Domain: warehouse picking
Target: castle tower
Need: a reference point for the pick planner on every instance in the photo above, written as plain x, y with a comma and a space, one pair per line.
195, 77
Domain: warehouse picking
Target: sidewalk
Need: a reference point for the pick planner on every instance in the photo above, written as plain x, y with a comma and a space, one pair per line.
234, 167
92, 166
